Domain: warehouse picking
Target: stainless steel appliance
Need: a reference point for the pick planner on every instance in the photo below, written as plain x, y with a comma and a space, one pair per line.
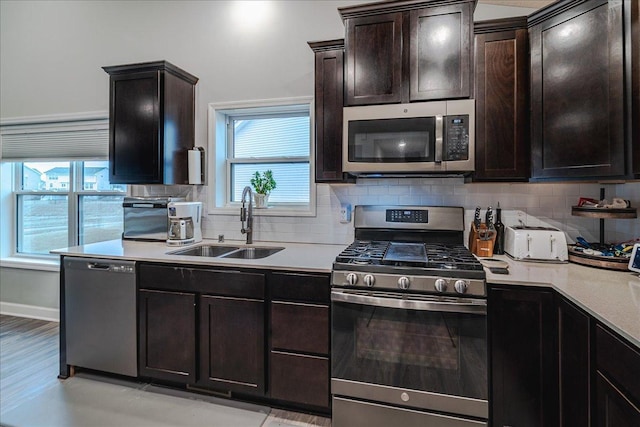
409, 326
145, 218
100, 315
421, 137
184, 223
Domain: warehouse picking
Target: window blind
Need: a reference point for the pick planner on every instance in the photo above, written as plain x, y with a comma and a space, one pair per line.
69, 139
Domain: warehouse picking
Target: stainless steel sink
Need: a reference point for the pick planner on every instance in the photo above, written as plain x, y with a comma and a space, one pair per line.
205, 250
252, 253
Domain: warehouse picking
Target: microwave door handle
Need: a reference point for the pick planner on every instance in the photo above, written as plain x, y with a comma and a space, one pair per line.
466, 306
439, 140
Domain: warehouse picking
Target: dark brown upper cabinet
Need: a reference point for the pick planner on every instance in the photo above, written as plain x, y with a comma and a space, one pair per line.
151, 123
502, 100
578, 90
329, 100
633, 80
402, 51
440, 43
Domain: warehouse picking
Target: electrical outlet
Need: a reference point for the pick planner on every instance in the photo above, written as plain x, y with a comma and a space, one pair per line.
345, 214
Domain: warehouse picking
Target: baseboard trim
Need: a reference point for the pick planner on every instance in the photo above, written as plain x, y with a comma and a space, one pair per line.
30, 311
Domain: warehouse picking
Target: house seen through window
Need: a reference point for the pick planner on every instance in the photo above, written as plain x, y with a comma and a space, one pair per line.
62, 204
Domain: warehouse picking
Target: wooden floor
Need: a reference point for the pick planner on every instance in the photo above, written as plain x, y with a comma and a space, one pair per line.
28, 359
29, 365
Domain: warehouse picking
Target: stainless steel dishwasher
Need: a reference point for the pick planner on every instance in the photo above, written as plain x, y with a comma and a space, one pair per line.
100, 315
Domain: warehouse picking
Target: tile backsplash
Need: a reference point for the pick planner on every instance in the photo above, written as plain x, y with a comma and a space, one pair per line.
532, 203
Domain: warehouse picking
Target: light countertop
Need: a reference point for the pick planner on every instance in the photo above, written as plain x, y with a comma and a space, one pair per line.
313, 257
612, 297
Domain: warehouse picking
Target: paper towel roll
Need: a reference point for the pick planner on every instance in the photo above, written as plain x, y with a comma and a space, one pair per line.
195, 166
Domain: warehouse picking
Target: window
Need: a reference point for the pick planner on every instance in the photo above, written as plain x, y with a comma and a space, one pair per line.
62, 204
258, 138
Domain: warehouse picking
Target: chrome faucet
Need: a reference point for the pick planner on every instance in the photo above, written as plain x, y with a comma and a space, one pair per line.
247, 215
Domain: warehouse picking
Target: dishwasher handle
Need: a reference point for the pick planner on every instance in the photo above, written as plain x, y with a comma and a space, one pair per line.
98, 266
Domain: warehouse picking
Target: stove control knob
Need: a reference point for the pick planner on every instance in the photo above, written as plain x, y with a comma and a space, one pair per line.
352, 278
461, 286
403, 282
369, 280
441, 285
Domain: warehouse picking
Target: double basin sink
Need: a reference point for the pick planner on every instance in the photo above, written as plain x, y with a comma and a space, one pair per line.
228, 252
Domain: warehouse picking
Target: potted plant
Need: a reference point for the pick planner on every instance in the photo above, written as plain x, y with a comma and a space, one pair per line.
262, 185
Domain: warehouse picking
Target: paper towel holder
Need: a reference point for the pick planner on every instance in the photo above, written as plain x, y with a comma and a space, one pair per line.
196, 165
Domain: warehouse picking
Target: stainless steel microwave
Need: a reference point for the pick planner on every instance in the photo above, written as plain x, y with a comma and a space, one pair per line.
424, 137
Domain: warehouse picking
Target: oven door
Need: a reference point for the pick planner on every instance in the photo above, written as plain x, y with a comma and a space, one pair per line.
413, 351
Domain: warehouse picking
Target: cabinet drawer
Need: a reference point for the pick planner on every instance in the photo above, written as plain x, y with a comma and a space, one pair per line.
300, 379
618, 361
300, 327
300, 287
160, 277
228, 283
216, 282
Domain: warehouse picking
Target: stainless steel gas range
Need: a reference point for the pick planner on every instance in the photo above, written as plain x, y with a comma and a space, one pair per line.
409, 328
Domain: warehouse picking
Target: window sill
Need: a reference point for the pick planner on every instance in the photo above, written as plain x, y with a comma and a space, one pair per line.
27, 263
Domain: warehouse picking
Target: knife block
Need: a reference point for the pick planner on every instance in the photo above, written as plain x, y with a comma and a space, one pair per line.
479, 246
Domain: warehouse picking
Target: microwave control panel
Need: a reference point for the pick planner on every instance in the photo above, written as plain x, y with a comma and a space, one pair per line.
456, 138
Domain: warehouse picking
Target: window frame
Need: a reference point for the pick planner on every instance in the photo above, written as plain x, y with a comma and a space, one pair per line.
220, 143
74, 192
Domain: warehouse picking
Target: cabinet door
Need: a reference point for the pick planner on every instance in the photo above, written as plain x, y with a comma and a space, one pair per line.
523, 359
502, 104
374, 59
614, 409
617, 380
329, 101
134, 129
232, 344
440, 52
167, 335
300, 378
574, 367
577, 98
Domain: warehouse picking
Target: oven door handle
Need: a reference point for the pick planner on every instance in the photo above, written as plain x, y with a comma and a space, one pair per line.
423, 304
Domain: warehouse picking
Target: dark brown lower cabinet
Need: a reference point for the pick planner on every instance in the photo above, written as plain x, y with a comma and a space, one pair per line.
300, 378
299, 340
618, 381
167, 341
232, 344
614, 409
523, 357
574, 351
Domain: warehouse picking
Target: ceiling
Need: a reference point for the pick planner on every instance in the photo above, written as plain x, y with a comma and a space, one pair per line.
533, 4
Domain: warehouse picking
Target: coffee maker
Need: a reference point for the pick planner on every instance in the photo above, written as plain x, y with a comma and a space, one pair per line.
184, 223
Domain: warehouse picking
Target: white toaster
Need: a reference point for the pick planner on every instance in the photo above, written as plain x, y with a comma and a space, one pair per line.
527, 243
